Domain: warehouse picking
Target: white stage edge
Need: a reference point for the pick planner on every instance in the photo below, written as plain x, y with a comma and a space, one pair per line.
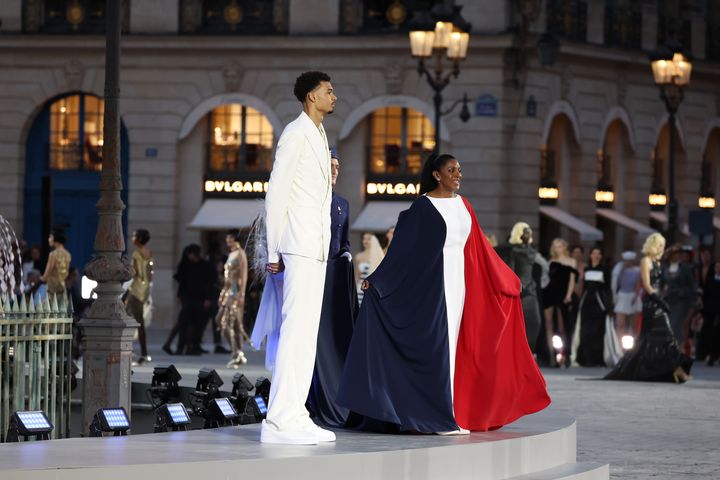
537, 447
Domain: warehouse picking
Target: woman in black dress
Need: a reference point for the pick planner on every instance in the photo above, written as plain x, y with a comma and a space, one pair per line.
595, 304
656, 356
557, 299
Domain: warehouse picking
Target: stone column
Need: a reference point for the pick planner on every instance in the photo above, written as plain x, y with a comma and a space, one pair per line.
108, 329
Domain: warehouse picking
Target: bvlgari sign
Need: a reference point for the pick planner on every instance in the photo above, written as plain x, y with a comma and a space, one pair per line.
395, 187
236, 186
375, 188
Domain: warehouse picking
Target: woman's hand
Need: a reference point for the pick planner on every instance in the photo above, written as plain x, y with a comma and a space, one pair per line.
567, 300
365, 285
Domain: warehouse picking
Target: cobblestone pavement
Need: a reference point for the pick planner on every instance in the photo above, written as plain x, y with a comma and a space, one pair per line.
644, 430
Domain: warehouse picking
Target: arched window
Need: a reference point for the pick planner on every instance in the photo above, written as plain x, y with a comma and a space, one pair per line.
399, 140
240, 138
76, 133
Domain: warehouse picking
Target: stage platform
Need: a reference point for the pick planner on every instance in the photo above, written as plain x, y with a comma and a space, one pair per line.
539, 447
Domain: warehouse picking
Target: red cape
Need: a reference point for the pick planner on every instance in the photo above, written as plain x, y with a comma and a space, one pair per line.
496, 378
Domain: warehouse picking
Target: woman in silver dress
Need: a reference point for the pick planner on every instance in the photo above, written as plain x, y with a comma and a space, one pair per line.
231, 303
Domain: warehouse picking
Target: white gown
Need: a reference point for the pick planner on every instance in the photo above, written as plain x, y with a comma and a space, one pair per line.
458, 224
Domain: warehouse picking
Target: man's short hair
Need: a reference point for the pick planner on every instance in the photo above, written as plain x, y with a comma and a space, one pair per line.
307, 82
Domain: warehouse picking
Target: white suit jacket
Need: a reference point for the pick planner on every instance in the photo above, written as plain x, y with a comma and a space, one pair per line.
297, 204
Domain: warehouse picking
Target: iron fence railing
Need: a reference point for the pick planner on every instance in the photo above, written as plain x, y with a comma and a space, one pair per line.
35, 359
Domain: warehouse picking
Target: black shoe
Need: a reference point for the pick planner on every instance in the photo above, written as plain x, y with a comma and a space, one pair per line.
220, 349
194, 352
711, 361
203, 350
166, 349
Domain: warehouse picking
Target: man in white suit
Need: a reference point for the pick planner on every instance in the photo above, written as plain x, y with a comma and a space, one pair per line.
297, 212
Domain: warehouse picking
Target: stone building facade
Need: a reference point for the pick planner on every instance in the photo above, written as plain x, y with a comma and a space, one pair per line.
182, 63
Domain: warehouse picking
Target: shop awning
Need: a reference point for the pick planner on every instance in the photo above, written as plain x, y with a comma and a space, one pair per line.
224, 214
625, 221
662, 218
587, 232
378, 216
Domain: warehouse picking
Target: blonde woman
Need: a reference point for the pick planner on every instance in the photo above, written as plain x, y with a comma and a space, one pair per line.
522, 258
557, 299
656, 355
367, 261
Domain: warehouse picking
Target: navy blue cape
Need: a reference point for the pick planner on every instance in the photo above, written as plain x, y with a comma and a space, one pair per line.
397, 367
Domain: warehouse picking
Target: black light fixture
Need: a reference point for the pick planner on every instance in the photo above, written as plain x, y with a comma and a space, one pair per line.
108, 420
604, 192
172, 416
548, 191
220, 413
29, 423
706, 200
208, 381
258, 406
164, 385
240, 392
548, 49
262, 388
207, 388
707, 195
657, 199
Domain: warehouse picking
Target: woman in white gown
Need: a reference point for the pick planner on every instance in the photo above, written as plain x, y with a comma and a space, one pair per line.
441, 310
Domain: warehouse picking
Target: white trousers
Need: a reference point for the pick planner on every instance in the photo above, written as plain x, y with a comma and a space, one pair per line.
302, 302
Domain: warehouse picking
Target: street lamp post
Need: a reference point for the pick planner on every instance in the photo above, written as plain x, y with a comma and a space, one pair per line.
432, 33
671, 67
107, 328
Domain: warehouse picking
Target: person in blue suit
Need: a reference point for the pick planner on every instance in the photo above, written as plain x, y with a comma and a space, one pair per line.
339, 310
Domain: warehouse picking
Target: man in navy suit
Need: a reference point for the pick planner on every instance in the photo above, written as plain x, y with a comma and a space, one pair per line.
339, 310
339, 214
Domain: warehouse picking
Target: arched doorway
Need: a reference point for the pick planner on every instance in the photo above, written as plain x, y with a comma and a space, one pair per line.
64, 152
381, 159
560, 190
620, 173
660, 188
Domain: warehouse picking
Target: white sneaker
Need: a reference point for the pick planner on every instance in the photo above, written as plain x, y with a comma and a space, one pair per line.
322, 434
270, 434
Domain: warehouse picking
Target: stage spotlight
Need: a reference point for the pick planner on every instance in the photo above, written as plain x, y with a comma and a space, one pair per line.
164, 385
172, 416
220, 412
628, 342
259, 406
30, 423
241, 385
208, 381
110, 420
262, 388
207, 389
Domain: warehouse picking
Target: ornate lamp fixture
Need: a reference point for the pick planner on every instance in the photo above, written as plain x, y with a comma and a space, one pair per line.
441, 30
671, 67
